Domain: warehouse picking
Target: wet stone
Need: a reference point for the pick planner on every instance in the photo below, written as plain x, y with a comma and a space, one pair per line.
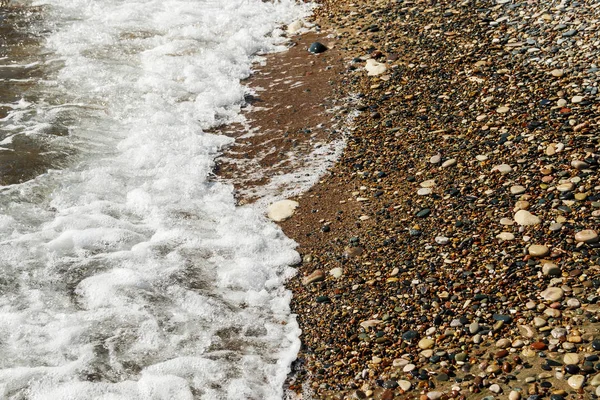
317, 48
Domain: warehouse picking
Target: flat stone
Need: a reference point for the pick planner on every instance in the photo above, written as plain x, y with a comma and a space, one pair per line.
595, 380
552, 294
576, 381
502, 168
527, 331
505, 236
424, 191
551, 269
434, 395
481, 157
316, 276
506, 222
404, 385
571, 358
474, 328
538, 250
448, 163
425, 343
514, 395
517, 189
374, 68
423, 213
428, 183
442, 240
539, 322
282, 210
502, 110
586, 236
557, 72
579, 164
409, 367
576, 99
336, 272
435, 159
495, 388
525, 218
565, 187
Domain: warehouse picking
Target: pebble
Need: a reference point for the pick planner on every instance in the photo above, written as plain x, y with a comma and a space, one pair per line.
525, 218
495, 388
552, 294
576, 381
586, 236
577, 99
424, 191
404, 385
425, 343
551, 269
502, 168
442, 240
595, 380
514, 395
374, 68
336, 272
435, 159
571, 358
317, 48
505, 236
316, 276
502, 110
517, 189
557, 72
434, 395
282, 210
448, 163
538, 250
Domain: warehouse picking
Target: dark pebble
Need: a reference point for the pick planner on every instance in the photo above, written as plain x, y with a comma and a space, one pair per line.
572, 369
409, 335
317, 48
442, 377
502, 317
323, 299
391, 384
596, 344
423, 213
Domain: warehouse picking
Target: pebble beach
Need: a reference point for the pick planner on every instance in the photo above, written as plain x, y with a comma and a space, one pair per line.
452, 252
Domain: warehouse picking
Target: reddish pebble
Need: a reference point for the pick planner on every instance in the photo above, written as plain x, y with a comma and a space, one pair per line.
538, 346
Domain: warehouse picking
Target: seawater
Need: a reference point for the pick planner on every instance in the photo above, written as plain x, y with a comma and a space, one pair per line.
126, 270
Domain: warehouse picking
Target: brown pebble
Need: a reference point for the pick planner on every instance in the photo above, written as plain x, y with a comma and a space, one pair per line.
539, 346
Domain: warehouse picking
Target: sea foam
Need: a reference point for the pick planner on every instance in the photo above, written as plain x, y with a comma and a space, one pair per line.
131, 274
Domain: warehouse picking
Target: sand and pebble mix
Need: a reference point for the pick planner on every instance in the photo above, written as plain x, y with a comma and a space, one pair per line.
453, 251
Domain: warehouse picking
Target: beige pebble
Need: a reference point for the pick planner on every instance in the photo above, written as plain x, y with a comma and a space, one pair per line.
538, 250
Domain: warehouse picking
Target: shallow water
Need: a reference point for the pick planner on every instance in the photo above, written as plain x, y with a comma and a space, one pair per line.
126, 272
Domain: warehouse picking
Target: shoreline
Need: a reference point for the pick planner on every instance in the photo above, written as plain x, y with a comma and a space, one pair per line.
452, 252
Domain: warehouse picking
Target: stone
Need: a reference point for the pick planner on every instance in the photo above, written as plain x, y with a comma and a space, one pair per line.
505, 236
502, 168
525, 218
538, 250
576, 381
424, 191
526, 331
448, 163
435, 159
423, 213
514, 395
336, 272
316, 276
551, 269
428, 183
442, 240
578, 164
434, 395
565, 187
595, 380
571, 358
517, 189
282, 210
317, 48
474, 328
552, 294
502, 110
425, 343
506, 222
404, 385
557, 72
374, 68
577, 99
586, 236
495, 388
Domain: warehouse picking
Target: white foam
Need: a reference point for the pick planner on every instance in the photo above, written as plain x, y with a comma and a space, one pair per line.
130, 274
